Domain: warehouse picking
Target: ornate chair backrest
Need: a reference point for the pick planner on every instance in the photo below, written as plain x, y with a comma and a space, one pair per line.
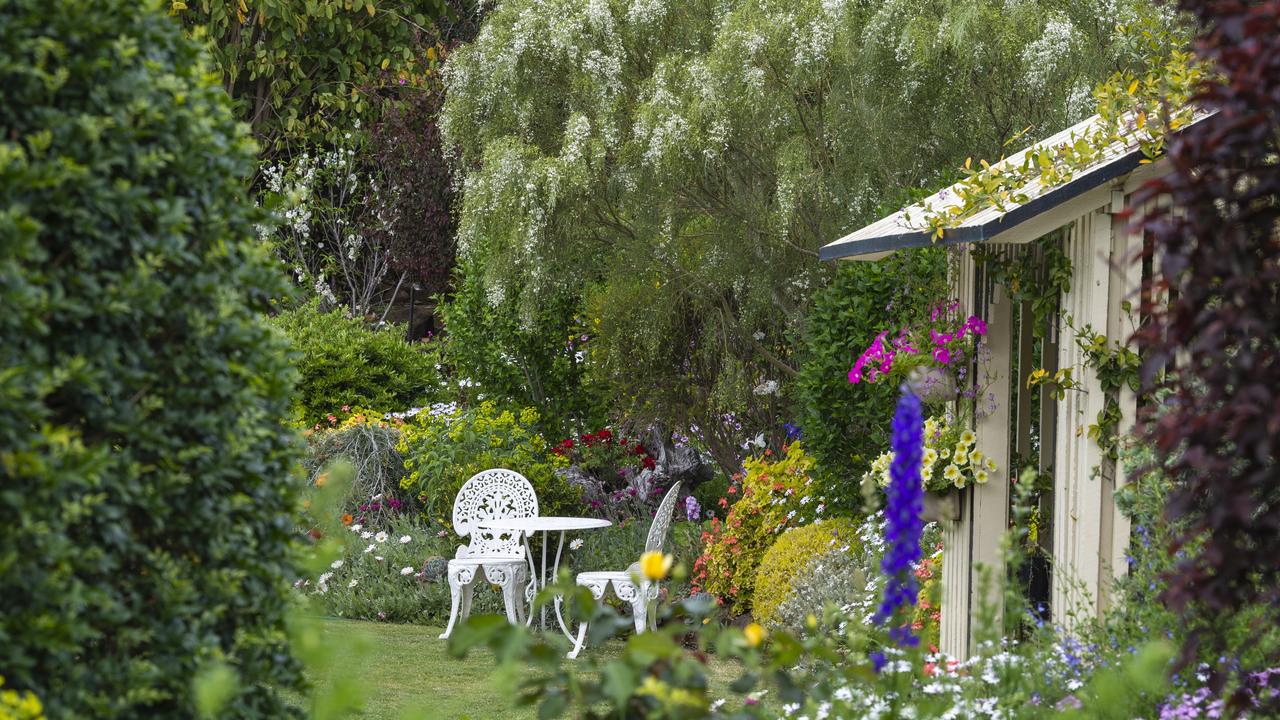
662, 520
496, 494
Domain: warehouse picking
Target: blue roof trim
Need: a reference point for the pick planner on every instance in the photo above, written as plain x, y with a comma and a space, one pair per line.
1118, 166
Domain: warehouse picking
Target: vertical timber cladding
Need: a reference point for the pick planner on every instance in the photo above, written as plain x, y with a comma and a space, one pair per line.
971, 546
956, 536
1085, 519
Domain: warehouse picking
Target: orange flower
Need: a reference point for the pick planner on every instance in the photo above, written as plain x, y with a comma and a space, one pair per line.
347, 519
321, 479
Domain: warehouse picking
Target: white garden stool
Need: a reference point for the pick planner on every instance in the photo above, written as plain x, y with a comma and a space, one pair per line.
629, 585
496, 555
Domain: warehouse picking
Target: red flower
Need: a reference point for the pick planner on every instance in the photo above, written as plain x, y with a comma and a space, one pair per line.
723, 502
604, 434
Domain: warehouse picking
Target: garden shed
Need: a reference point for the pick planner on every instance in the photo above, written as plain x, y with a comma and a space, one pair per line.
1046, 259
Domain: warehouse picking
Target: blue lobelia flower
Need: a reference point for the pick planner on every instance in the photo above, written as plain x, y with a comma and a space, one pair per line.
903, 525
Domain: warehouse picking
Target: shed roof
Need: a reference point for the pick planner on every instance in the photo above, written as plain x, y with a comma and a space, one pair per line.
895, 232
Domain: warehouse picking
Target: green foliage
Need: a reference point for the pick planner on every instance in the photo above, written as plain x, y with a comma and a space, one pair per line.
520, 356
303, 73
845, 425
391, 582
344, 362
441, 452
678, 182
788, 557
146, 479
775, 496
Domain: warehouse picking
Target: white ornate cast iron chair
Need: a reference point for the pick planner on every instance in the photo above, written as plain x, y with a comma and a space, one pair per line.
494, 554
629, 585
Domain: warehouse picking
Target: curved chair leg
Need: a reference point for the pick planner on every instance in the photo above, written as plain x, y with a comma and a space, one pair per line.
459, 597
468, 591
639, 613
506, 579
597, 591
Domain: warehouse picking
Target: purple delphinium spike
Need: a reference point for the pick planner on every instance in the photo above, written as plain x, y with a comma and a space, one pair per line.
903, 525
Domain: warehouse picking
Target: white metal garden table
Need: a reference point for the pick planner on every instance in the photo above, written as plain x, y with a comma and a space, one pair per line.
546, 525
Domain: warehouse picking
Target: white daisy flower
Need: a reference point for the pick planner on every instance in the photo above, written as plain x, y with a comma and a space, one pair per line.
381, 536
357, 527
575, 544
353, 583
366, 535
370, 549
406, 570
404, 540
379, 558
335, 564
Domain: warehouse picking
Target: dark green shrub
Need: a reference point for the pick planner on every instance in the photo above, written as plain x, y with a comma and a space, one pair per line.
145, 476
846, 426
343, 361
501, 351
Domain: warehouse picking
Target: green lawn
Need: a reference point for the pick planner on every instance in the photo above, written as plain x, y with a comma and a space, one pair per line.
405, 673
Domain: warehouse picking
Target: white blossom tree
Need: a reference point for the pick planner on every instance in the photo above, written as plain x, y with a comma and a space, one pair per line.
676, 164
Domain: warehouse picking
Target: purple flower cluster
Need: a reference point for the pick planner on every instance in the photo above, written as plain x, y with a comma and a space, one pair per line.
903, 525
877, 359
692, 511
1259, 687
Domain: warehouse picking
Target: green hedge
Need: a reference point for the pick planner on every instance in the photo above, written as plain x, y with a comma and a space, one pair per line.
846, 426
343, 361
144, 471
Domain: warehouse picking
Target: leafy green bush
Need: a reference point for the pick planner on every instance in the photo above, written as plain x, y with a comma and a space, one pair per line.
846, 426
145, 474
788, 557
775, 496
501, 350
344, 362
441, 451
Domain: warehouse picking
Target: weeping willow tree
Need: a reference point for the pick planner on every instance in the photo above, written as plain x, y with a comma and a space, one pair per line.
673, 167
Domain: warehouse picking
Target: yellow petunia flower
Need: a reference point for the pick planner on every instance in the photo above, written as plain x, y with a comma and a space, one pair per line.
991, 465
976, 457
960, 458
952, 473
968, 438
980, 476
755, 634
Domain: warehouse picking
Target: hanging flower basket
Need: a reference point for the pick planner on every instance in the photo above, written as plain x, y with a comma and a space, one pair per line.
942, 506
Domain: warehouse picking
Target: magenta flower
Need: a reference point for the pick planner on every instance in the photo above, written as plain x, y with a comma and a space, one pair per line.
942, 355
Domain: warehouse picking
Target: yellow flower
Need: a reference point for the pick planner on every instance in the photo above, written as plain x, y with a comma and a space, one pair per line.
991, 465
755, 634
960, 458
655, 565
968, 438
952, 473
946, 453
976, 456
930, 456
980, 476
